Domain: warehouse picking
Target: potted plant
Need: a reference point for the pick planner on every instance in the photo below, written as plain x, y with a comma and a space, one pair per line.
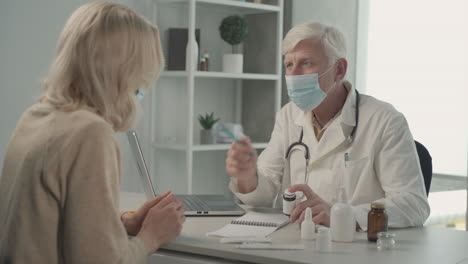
206, 134
233, 30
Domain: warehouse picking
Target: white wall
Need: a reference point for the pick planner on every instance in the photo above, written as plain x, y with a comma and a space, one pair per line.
429, 85
29, 31
338, 13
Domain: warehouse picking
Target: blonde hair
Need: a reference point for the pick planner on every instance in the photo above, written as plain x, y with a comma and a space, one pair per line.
105, 53
331, 38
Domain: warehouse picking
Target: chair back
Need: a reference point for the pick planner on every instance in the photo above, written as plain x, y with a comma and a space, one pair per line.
425, 160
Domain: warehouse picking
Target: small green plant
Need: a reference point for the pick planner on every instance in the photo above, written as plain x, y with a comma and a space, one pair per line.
207, 121
234, 30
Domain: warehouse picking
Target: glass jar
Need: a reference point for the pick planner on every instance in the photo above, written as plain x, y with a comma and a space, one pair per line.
377, 221
385, 241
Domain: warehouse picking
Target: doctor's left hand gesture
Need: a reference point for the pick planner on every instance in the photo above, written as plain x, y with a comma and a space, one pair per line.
320, 209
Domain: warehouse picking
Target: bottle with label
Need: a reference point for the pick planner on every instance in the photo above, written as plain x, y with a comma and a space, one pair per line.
191, 49
342, 220
207, 60
377, 221
289, 202
202, 64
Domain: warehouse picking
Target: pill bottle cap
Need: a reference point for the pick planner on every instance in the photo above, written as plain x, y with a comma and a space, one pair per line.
289, 195
324, 231
377, 205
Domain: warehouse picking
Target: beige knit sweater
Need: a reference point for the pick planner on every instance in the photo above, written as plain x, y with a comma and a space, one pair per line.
59, 192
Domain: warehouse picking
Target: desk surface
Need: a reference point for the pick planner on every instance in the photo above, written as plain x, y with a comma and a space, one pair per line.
413, 245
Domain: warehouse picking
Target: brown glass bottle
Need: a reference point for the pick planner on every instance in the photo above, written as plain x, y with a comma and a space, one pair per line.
202, 65
207, 61
377, 221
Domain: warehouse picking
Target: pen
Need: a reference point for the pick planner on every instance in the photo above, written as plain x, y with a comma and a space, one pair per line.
271, 246
346, 159
229, 134
239, 240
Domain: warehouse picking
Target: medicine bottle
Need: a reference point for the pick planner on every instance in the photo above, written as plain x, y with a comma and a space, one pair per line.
202, 65
377, 221
308, 226
323, 243
342, 221
289, 202
207, 61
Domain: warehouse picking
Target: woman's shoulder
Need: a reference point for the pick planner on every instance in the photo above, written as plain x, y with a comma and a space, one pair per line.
70, 121
86, 121
74, 128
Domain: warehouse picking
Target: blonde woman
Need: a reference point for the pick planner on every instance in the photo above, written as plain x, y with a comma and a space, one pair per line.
59, 189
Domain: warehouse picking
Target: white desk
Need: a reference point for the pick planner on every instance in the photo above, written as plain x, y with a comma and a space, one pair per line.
414, 245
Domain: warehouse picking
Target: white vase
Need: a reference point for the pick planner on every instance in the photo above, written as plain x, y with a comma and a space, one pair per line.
207, 136
233, 63
192, 48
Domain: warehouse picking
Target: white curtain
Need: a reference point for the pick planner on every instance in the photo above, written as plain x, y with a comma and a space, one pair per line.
417, 60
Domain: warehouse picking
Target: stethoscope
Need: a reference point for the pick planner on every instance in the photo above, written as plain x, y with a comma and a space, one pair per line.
350, 140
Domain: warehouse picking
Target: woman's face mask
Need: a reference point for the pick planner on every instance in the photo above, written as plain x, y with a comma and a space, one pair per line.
304, 90
140, 94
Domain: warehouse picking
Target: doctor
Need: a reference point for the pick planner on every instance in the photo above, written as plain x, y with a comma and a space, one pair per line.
331, 136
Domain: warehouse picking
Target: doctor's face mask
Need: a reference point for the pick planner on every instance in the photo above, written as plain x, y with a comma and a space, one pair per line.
304, 90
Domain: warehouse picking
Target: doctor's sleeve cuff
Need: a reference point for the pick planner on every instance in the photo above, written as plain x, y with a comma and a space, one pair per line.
261, 196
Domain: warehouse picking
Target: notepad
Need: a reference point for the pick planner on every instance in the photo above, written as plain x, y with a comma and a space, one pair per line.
252, 224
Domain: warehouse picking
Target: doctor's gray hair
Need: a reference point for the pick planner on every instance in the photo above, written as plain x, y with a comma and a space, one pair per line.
331, 38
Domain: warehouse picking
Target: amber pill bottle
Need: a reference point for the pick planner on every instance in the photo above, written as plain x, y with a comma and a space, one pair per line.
377, 220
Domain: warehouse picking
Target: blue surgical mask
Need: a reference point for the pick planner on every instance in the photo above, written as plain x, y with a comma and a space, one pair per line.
304, 90
140, 94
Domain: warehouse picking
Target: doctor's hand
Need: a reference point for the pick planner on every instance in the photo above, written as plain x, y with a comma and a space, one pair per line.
320, 209
241, 163
162, 223
133, 221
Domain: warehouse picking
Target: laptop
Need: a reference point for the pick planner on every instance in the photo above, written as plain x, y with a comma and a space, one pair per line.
195, 205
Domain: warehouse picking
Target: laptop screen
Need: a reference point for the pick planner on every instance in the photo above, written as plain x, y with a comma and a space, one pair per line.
141, 164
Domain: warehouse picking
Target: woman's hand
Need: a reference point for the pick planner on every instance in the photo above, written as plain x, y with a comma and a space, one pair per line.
133, 221
162, 223
320, 209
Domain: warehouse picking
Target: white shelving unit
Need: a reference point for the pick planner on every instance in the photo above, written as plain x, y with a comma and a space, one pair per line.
178, 161
239, 76
236, 7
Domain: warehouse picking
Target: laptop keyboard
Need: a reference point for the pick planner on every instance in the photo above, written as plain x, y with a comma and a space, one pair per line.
193, 203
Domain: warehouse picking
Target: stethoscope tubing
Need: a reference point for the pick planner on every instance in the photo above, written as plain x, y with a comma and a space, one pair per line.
306, 148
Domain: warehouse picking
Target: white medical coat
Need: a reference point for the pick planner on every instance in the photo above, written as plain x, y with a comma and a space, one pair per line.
383, 162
